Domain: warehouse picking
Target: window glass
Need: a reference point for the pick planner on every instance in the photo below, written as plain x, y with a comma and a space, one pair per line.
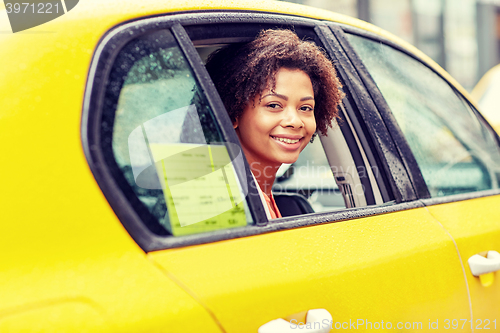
311, 177
455, 151
167, 143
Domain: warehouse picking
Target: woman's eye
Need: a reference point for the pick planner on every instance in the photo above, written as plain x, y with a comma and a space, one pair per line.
273, 105
306, 108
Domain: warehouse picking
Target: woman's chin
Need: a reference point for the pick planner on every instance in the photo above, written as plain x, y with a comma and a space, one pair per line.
288, 159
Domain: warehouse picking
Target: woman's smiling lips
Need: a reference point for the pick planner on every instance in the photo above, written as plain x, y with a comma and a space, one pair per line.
290, 142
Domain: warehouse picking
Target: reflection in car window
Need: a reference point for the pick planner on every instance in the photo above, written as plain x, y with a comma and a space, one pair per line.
166, 141
455, 151
312, 177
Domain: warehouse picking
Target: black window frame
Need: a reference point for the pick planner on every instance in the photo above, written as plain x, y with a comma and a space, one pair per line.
132, 217
394, 129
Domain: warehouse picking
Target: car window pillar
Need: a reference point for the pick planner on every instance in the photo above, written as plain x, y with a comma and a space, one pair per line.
222, 117
368, 118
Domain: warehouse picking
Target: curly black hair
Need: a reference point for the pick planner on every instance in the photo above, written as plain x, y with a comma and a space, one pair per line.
241, 72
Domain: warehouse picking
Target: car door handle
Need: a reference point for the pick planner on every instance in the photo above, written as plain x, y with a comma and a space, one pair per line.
317, 321
480, 265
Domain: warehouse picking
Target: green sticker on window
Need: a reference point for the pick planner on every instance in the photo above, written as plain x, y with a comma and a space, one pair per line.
200, 187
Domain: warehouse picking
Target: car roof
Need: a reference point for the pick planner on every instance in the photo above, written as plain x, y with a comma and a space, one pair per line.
91, 19
485, 93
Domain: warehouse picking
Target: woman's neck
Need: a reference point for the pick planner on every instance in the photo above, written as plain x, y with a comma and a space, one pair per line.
265, 175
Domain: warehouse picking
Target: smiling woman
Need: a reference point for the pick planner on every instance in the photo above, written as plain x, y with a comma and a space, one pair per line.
277, 125
278, 90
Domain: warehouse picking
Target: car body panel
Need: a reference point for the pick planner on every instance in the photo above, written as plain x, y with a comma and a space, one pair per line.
83, 272
364, 268
474, 225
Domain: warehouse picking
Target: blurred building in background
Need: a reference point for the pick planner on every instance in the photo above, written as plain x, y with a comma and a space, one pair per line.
463, 36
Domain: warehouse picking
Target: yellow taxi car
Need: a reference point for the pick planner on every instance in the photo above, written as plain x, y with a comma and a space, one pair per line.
127, 206
486, 94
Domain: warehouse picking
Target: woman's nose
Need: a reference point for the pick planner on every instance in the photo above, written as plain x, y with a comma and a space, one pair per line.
291, 118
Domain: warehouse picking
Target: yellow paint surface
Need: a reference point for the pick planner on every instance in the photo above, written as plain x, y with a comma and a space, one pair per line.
475, 225
398, 267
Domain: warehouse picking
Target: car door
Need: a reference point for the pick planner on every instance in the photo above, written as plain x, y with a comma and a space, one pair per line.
155, 123
458, 155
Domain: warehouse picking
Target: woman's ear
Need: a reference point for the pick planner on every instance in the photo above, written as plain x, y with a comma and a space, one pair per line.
235, 123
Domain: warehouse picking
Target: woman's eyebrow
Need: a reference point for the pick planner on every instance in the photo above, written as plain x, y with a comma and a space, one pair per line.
307, 98
277, 95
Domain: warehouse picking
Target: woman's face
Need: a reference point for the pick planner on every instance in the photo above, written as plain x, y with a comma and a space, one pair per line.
278, 124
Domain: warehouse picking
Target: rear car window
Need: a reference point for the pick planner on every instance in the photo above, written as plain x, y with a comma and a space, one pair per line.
166, 142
